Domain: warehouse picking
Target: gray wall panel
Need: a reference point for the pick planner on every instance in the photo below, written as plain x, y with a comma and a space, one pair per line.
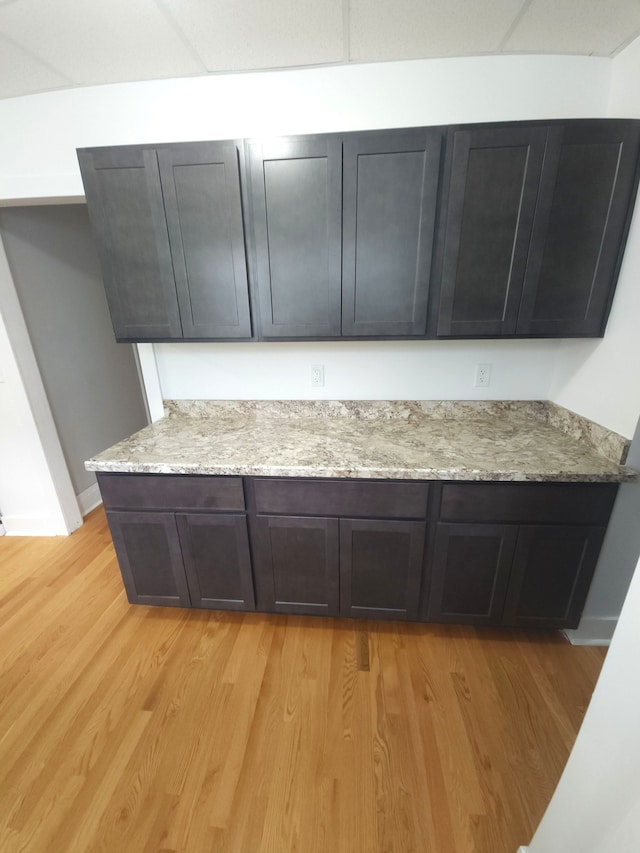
91, 381
620, 549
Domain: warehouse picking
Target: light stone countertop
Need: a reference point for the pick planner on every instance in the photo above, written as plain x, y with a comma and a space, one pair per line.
519, 441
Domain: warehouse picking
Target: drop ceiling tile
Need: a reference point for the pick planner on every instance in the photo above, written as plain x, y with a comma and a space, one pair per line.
576, 26
414, 29
253, 34
23, 74
94, 41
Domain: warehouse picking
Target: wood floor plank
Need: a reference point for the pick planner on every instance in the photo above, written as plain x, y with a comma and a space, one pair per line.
160, 730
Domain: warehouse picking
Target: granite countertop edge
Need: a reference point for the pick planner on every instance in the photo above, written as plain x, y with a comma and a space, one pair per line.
502, 441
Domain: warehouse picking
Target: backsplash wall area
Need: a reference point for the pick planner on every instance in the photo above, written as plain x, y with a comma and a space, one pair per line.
360, 370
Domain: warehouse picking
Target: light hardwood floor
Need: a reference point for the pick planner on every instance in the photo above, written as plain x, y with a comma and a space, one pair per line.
145, 729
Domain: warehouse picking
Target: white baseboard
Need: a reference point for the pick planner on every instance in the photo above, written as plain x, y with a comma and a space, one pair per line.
89, 499
31, 525
592, 631
522, 849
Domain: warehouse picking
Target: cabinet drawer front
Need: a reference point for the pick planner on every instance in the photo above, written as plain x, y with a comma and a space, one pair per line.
341, 498
546, 503
171, 492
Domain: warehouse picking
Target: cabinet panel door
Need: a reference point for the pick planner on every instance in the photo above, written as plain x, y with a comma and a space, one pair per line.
588, 184
389, 203
125, 203
552, 570
296, 564
493, 185
201, 187
148, 551
217, 561
470, 572
296, 194
381, 568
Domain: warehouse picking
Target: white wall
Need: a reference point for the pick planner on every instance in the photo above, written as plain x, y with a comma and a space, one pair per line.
361, 370
41, 132
599, 379
596, 806
316, 100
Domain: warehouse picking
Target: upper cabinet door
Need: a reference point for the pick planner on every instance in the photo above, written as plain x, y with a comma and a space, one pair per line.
296, 192
389, 205
125, 202
494, 177
586, 191
201, 188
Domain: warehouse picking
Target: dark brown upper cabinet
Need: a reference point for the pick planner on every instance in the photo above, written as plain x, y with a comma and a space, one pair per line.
124, 196
296, 196
357, 236
493, 187
344, 231
389, 205
586, 196
169, 232
534, 229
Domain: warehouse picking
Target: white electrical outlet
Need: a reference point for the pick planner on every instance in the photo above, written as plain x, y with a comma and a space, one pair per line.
483, 375
317, 375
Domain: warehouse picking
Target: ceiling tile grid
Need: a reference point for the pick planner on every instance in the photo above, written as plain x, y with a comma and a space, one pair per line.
24, 74
588, 27
92, 41
413, 29
257, 34
47, 45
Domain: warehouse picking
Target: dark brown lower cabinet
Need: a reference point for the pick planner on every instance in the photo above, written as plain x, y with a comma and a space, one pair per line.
380, 568
470, 572
516, 554
347, 567
217, 561
296, 564
148, 550
509, 574
184, 560
552, 570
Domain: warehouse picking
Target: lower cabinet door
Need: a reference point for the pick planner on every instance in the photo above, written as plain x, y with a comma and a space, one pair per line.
470, 572
381, 568
296, 564
217, 562
148, 550
552, 571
